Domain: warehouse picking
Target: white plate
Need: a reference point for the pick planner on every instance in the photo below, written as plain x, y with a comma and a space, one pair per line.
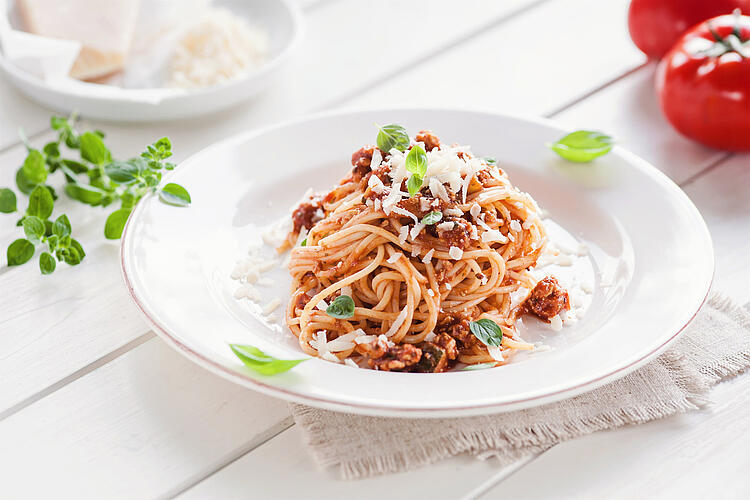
650, 255
281, 19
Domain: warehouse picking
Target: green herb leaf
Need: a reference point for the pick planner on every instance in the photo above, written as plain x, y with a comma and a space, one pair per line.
34, 228
432, 218
75, 166
74, 245
304, 243
478, 366
490, 160
342, 307
24, 184
583, 146
71, 257
487, 331
116, 223
174, 194
40, 202
7, 201
414, 184
61, 228
392, 137
90, 195
20, 252
416, 161
93, 149
33, 167
51, 149
261, 362
121, 172
47, 263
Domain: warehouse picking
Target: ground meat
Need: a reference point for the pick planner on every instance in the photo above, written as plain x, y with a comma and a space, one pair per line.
305, 214
485, 178
394, 358
434, 359
448, 344
443, 271
456, 326
429, 139
458, 236
361, 161
547, 299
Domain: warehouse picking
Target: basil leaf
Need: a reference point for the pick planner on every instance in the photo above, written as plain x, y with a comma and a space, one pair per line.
479, 366
416, 161
583, 146
20, 252
414, 184
261, 362
116, 223
84, 193
490, 160
432, 218
34, 228
7, 201
24, 184
304, 243
40, 202
93, 148
342, 307
121, 172
392, 137
487, 331
33, 167
47, 263
61, 227
174, 194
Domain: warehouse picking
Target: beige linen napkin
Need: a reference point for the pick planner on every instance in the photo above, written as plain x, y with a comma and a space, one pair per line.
714, 347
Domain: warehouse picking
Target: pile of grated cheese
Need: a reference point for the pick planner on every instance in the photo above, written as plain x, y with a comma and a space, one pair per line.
221, 47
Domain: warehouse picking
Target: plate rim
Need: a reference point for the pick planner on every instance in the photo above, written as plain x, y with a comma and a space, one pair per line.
421, 412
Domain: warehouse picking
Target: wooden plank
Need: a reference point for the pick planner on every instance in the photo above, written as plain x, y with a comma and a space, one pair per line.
138, 427
532, 66
265, 473
629, 111
656, 457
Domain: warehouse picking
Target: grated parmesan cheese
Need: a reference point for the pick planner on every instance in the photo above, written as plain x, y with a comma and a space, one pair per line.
428, 256
456, 253
393, 258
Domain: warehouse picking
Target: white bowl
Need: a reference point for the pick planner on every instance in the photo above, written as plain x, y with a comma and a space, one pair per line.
281, 19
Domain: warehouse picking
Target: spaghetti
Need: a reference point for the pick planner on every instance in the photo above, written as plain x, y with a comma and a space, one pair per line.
422, 269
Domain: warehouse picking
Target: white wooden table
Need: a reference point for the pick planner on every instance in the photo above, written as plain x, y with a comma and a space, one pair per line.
92, 404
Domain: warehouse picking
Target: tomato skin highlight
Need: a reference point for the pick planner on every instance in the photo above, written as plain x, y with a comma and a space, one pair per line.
707, 97
655, 25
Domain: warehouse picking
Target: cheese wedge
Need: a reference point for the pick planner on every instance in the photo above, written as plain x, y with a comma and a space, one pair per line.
104, 28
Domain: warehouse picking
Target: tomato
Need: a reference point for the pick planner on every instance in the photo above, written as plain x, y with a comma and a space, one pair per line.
704, 83
655, 25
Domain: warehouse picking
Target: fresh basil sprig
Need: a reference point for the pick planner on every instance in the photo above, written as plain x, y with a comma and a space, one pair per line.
342, 307
583, 146
392, 137
416, 164
261, 362
487, 331
432, 218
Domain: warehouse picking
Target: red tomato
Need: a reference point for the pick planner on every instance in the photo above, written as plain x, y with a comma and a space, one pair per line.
655, 25
704, 83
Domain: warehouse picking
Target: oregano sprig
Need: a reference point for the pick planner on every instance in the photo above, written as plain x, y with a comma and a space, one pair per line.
93, 177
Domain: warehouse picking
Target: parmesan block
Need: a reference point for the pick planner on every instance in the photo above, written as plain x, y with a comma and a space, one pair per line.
105, 30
